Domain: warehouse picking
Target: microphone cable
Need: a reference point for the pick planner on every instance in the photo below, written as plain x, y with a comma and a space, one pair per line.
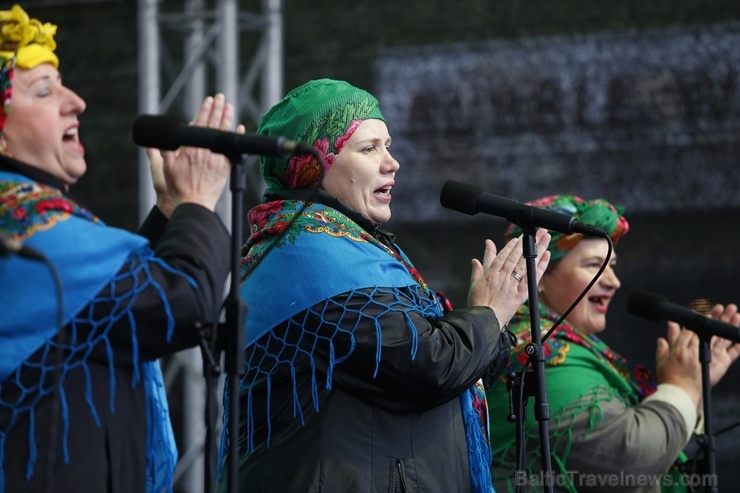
690, 467
58, 364
704, 307
234, 426
33, 254
14, 247
578, 299
522, 396
304, 204
585, 290
296, 215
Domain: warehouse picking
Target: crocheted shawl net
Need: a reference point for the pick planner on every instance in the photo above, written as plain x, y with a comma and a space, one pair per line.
88, 256
324, 254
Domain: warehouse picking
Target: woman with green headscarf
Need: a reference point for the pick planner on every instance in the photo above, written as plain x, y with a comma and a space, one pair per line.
359, 378
611, 428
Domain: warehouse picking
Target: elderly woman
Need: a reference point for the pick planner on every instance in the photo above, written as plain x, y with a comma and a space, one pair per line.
82, 404
358, 378
608, 419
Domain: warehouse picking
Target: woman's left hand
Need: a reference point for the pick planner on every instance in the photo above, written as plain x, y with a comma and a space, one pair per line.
500, 280
724, 351
156, 168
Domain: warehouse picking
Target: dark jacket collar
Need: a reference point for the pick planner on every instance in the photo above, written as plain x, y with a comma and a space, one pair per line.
34, 173
321, 197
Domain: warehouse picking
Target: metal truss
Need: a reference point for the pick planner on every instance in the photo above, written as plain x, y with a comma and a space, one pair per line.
183, 56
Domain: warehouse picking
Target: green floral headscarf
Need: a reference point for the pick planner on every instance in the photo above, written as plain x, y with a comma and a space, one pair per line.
322, 113
597, 212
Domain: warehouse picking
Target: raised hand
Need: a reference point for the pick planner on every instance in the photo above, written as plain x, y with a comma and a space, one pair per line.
197, 175
500, 280
724, 351
677, 360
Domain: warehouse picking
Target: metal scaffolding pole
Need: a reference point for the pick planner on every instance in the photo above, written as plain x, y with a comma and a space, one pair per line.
210, 38
149, 89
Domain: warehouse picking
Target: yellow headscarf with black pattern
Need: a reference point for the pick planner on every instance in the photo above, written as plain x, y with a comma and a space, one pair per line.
24, 43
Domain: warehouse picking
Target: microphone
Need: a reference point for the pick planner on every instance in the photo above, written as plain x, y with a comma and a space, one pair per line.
10, 245
169, 133
471, 200
654, 307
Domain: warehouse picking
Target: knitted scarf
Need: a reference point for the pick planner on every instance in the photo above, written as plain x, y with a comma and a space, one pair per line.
88, 256
322, 255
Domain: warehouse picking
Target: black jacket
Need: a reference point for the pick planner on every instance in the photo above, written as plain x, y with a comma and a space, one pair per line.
107, 451
400, 431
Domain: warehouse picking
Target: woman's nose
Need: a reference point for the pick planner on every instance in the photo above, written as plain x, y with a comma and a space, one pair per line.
75, 104
610, 278
390, 164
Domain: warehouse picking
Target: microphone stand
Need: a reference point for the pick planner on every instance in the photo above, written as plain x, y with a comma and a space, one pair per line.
706, 441
536, 358
232, 336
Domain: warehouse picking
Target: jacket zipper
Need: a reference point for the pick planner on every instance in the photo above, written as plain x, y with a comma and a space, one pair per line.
400, 486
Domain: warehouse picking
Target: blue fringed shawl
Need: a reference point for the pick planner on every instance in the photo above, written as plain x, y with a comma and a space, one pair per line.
88, 256
322, 255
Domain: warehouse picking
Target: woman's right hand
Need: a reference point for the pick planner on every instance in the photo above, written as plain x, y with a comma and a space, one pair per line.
493, 283
677, 355
197, 175
677, 360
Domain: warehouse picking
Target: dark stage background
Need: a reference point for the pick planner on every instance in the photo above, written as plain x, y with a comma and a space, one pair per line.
634, 101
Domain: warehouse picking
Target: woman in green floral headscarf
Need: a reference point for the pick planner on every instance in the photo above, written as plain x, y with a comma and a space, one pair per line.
610, 424
359, 378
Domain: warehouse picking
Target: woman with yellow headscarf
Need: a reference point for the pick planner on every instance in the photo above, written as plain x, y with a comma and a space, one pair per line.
82, 403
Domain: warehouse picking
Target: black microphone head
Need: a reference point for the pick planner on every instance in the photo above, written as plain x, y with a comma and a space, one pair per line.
459, 197
157, 131
645, 304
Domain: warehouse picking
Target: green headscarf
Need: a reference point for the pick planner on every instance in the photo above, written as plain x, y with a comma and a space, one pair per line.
597, 212
322, 113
